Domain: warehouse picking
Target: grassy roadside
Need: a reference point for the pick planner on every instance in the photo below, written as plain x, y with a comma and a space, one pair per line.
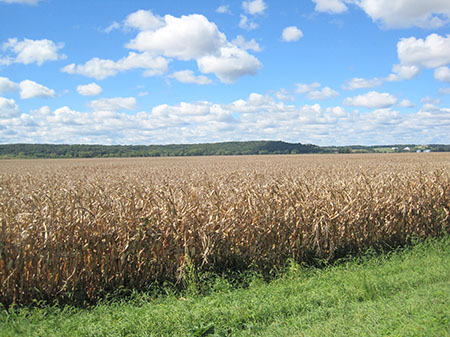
404, 293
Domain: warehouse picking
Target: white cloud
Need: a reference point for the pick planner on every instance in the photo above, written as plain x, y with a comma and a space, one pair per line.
230, 64
247, 45
407, 13
31, 89
313, 92
413, 54
28, 89
100, 68
143, 20
8, 108
31, 51
112, 26
406, 104
184, 38
187, 76
323, 94
6, 85
429, 107
256, 117
330, 6
402, 72
361, 83
432, 52
291, 34
399, 73
194, 37
113, 104
26, 2
384, 116
337, 111
254, 7
94, 68
284, 95
444, 91
395, 14
442, 74
430, 100
372, 99
223, 9
244, 23
91, 89
305, 88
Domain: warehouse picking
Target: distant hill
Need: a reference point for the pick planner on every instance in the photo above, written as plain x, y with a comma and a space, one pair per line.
206, 149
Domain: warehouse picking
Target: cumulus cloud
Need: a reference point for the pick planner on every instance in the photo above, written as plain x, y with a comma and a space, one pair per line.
432, 52
254, 7
231, 63
361, 83
330, 6
413, 54
444, 91
91, 89
246, 24
407, 13
406, 104
112, 26
372, 99
284, 95
399, 73
305, 88
113, 104
323, 94
313, 92
6, 85
185, 38
430, 100
291, 34
337, 111
187, 76
30, 89
395, 14
26, 2
194, 37
402, 72
8, 108
441, 74
31, 51
255, 117
102, 68
223, 9
143, 20
247, 45
139, 20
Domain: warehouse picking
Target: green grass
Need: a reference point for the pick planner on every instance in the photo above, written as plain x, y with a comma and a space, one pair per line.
402, 293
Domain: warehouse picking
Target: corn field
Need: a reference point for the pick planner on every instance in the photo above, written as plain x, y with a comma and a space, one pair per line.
75, 230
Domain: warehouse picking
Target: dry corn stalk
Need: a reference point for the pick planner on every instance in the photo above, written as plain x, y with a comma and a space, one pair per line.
74, 230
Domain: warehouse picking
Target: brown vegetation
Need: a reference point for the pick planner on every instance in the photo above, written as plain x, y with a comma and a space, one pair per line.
73, 230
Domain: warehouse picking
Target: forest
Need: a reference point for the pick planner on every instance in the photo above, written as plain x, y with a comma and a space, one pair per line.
9, 151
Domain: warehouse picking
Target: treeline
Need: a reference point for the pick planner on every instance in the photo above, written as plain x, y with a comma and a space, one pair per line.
207, 149
105, 151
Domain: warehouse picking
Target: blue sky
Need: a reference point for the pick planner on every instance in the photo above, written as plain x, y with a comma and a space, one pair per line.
328, 72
